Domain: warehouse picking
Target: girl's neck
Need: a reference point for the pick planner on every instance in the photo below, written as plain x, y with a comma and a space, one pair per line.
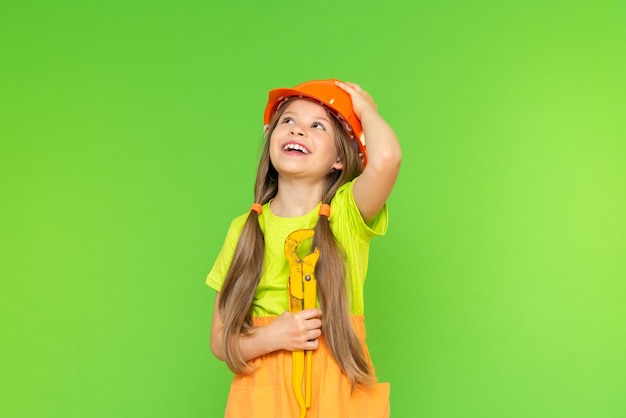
296, 199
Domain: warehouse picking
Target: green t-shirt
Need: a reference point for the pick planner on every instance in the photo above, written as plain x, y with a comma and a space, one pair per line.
351, 232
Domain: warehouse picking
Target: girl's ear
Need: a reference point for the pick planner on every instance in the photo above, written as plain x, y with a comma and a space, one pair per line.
338, 164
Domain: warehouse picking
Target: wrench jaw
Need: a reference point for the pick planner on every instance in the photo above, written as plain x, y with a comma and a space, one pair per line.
302, 287
293, 240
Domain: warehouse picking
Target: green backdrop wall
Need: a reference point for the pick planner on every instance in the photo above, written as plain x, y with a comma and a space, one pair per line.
129, 136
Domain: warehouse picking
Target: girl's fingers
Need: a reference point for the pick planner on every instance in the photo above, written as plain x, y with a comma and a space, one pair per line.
311, 345
343, 86
355, 87
355, 91
349, 86
314, 324
361, 100
311, 313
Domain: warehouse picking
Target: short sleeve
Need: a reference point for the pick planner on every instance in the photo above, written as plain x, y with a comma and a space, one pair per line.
217, 275
348, 214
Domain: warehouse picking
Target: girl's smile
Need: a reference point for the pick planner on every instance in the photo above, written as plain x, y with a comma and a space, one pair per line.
294, 146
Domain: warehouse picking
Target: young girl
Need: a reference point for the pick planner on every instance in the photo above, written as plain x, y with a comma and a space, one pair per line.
314, 173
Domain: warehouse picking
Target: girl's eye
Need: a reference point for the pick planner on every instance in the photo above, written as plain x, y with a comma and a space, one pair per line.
287, 119
318, 125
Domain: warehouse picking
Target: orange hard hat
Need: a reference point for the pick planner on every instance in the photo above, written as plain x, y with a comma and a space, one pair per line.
329, 95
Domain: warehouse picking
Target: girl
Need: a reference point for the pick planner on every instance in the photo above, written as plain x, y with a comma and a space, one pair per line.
314, 173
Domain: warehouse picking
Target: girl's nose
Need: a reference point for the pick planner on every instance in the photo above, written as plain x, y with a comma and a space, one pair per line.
296, 130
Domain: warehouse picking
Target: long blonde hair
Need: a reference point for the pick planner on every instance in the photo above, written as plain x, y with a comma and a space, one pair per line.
243, 276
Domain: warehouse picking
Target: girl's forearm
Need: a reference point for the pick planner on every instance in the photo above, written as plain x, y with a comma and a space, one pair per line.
383, 147
258, 343
384, 156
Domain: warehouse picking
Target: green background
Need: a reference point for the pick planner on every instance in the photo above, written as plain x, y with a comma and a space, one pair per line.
129, 137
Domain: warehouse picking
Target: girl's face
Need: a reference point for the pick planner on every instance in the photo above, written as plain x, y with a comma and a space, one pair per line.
303, 142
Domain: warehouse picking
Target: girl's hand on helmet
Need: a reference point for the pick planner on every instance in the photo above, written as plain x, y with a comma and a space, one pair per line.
298, 331
361, 100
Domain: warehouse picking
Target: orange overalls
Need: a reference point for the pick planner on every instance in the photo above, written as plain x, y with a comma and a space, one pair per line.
268, 391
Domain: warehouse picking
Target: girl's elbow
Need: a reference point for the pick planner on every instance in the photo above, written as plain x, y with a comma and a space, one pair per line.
388, 161
396, 159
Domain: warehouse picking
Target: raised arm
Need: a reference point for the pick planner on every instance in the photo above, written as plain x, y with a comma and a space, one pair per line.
374, 185
289, 332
